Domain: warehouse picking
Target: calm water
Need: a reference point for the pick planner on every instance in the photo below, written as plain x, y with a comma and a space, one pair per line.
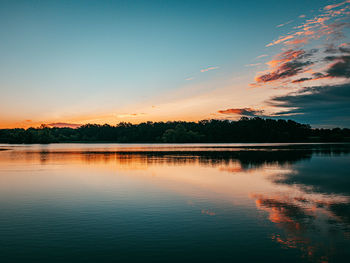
175, 203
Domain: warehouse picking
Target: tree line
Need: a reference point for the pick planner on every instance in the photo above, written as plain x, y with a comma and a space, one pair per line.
205, 131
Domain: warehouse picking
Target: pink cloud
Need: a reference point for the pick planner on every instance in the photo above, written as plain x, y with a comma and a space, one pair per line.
286, 64
329, 7
209, 68
297, 41
317, 27
242, 111
261, 56
280, 40
253, 65
64, 125
285, 23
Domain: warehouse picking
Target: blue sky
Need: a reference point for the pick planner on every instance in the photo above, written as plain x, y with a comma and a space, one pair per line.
111, 61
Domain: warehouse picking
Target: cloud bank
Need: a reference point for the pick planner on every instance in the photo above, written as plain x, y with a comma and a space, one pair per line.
324, 105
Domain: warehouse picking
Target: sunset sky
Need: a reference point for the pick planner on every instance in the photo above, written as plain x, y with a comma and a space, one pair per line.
101, 62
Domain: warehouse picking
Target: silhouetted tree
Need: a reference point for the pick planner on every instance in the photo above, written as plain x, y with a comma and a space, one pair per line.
211, 131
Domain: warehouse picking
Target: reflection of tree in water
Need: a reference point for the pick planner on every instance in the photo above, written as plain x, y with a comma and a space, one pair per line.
226, 161
248, 157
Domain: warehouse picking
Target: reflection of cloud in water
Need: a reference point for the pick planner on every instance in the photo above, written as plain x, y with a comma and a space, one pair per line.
308, 223
314, 215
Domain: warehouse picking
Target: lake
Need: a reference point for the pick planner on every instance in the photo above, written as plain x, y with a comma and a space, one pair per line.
175, 203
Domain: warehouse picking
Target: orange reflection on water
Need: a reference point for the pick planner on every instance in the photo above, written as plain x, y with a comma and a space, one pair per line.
193, 175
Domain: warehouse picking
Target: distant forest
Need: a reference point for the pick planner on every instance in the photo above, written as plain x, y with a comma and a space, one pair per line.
206, 131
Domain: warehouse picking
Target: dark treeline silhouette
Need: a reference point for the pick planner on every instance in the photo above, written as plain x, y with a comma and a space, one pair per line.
218, 131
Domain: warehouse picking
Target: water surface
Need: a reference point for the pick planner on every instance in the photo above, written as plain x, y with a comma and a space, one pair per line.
175, 203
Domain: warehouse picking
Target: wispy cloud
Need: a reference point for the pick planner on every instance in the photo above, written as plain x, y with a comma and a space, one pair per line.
279, 40
329, 23
209, 68
329, 7
297, 41
261, 56
291, 21
253, 65
190, 78
130, 115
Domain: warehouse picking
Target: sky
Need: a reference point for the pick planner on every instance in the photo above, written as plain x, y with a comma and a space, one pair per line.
67, 63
